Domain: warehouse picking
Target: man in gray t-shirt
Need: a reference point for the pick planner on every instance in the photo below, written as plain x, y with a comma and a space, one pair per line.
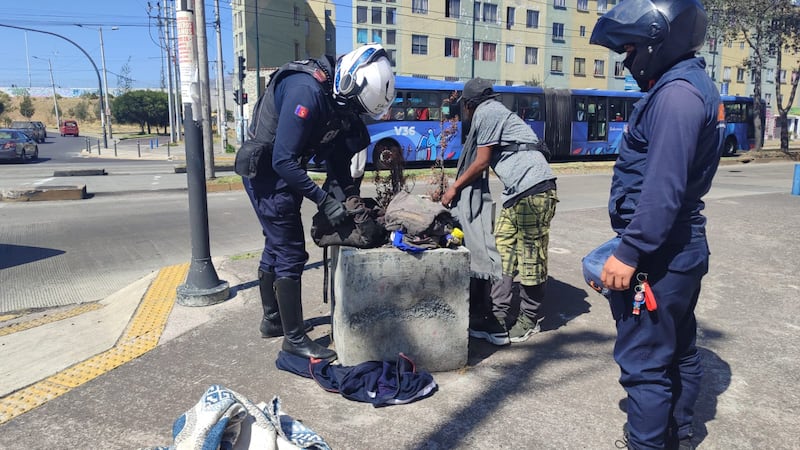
503, 141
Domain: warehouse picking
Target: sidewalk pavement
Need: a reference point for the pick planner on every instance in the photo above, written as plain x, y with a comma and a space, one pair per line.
117, 374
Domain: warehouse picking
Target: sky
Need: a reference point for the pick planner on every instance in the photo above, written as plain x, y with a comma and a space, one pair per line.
133, 40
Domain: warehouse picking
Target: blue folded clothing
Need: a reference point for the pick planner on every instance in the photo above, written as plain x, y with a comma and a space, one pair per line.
593, 264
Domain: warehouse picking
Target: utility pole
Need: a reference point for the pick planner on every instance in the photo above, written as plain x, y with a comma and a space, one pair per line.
55, 99
173, 136
222, 112
105, 82
172, 49
258, 61
202, 287
205, 93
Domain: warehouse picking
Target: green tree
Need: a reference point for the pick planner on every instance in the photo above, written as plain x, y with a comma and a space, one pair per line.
80, 111
26, 107
124, 80
145, 108
769, 28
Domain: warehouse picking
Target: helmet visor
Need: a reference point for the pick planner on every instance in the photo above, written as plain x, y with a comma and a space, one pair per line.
636, 22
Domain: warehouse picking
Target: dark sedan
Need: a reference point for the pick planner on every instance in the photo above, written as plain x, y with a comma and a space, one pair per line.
17, 146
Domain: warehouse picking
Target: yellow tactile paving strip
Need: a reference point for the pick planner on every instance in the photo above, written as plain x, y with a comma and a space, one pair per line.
72, 312
141, 336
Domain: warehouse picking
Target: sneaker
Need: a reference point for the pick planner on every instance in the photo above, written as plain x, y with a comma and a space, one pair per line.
489, 328
524, 328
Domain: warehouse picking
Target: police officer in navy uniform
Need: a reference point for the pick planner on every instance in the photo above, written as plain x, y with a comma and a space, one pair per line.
668, 157
309, 109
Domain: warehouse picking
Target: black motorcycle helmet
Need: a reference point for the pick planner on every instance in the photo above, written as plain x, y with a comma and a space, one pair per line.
663, 32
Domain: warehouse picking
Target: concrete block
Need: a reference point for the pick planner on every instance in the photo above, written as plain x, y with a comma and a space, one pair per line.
45, 193
387, 301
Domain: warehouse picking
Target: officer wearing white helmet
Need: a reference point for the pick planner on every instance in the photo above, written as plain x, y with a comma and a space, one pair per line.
310, 108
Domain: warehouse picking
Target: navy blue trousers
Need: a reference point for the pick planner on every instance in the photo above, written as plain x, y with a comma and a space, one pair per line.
284, 239
659, 363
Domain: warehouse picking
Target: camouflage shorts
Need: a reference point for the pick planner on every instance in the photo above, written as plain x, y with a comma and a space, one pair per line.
522, 233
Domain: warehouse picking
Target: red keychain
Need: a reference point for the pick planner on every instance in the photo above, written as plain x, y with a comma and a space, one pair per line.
644, 287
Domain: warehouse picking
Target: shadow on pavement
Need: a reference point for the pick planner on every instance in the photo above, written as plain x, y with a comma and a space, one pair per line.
16, 255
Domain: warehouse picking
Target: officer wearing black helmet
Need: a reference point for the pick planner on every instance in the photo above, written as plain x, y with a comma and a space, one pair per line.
310, 108
668, 157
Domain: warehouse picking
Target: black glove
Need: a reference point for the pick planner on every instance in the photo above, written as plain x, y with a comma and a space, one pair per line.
333, 210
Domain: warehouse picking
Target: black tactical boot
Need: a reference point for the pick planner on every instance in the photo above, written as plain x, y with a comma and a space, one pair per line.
271, 322
295, 340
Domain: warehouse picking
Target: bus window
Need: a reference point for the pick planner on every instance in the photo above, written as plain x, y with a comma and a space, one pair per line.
580, 109
629, 102
616, 109
596, 116
529, 107
507, 100
733, 113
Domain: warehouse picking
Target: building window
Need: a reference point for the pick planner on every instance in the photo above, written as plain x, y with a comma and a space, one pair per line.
599, 68
489, 12
361, 14
532, 19
561, 4
741, 45
557, 64
377, 36
452, 9
392, 56
419, 6
510, 11
583, 5
740, 75
711, 43
580, 67
419, 44
783, 77
391, 16
726, 73
558, 31
484, 51
296, 15
476, 10
619, 69
770, 75
509, 53
452, 47
582, 31
377, 12
602, 6
531, 55
361, 35
391, 37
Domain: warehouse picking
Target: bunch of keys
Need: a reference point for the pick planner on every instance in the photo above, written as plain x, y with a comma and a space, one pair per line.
643, 293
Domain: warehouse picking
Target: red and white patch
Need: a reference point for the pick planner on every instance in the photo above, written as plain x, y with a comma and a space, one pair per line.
301, 111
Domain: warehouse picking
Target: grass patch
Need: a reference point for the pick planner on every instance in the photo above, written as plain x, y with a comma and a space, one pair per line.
245, 255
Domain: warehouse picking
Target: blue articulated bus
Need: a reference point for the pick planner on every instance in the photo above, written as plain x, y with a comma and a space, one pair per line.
424, 121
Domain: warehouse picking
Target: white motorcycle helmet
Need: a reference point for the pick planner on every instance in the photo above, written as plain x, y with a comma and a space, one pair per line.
365, 75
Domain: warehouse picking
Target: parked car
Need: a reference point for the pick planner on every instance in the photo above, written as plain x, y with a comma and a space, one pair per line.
30, 128
42, 127
69, 127
17, 145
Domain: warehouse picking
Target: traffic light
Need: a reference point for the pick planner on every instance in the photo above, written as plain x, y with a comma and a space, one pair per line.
236, 96
241, 68
244, 98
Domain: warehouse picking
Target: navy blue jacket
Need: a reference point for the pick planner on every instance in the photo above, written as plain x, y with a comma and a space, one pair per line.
668, 157
308, 124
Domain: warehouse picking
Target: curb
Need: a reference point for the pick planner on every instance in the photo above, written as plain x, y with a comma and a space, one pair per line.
46, 193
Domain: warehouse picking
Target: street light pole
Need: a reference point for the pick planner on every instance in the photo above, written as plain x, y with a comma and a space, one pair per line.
99, 82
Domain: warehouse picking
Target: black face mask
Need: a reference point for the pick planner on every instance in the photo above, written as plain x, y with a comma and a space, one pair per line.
628, 62
644, 84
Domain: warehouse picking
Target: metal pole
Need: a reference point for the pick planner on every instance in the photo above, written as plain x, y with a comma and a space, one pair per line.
202, 286
205, 93
222, 111
258, 64
105, 82
55, 99
173, 137
174, 53
99, 82
473, 38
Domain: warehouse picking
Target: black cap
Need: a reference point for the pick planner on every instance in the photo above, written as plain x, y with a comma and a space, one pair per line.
475, 89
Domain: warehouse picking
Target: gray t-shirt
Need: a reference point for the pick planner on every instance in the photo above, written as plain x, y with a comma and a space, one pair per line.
519, 171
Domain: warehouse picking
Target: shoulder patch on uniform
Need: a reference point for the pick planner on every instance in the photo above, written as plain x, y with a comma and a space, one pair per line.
320, 75
301, 111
